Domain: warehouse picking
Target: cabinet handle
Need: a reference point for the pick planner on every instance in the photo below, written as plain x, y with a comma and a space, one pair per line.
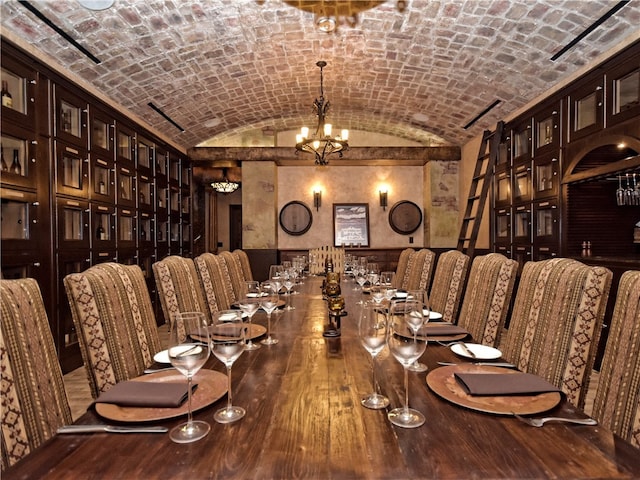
32, 81
34, 142
36, 264
34, 221
33, 160
36, 204
599, 87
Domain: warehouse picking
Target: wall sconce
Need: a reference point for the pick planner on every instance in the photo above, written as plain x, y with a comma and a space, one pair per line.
317, 199
383, 199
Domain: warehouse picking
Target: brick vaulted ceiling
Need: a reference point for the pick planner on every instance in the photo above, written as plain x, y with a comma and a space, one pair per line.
417, 69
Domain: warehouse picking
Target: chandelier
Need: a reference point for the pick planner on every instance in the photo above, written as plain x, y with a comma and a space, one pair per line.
321, 143
224, 185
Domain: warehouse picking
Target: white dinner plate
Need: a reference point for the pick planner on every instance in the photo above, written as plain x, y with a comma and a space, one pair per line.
481, 352
162, 357
432, 315
401, 295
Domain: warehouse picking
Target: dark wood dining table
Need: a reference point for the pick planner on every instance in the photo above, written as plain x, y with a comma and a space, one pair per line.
304, 420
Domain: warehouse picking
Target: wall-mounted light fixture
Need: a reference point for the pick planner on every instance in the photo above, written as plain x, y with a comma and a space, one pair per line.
383, 199
317, 199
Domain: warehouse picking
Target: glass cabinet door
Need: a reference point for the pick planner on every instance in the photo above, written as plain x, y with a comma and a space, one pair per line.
103, 183
18, 92
71, 118
522, 223
546, 221
126, 187
126, 229
546, 180
623, 92
125, 147
146, 232
73, 223
72, 168
19, 220
586, 112
502, 187
103, 226
521, 143
101, 131
521, 183
547, 130
503, 226
18, 158
145, 193
145, 156
160, 168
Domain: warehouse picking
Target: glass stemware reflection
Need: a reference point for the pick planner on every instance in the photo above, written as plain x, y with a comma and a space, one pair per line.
188, 351
227, 344
406, 349
372, 330
269, 302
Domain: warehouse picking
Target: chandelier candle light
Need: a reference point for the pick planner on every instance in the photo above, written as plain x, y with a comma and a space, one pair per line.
224, 185
321, 143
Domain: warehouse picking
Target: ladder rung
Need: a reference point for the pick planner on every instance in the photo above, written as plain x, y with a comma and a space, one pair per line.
475, 197
466, 219
478, 177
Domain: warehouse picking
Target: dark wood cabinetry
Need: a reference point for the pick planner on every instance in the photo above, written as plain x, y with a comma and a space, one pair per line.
83, 184
565, 159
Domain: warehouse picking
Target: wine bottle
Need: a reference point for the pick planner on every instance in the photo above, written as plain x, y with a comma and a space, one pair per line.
100, 235
15, 166
5, 167
7, 100
102, 188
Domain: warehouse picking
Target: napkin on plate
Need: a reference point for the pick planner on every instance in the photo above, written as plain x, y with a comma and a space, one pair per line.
441, 330
146, 394
504, 384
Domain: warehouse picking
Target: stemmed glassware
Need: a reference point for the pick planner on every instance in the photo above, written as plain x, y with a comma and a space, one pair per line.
188, 351
288, 283
416, 306
227, 344
406, 349
377, 294
250, 305
269, 302
372, 330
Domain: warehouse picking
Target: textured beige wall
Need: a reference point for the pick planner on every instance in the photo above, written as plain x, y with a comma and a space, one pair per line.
349, 184
442, 203
259, 208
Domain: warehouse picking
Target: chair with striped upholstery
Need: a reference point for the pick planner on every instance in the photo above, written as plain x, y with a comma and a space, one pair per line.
235, 272
403, 261
448, 284
178, 286
617, 401
34, 402
243, 258
216, 281
115, 323
419, 270
487, 297
556, 322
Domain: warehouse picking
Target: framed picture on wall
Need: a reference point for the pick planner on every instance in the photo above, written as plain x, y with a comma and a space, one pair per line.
351, 224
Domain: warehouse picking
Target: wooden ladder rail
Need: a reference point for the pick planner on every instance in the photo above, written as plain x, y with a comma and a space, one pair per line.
479, 189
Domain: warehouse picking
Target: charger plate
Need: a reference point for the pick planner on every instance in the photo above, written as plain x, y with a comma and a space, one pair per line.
212, 386
443, 383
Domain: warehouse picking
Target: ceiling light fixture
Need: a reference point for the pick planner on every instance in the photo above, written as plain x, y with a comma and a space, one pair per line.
321, 143
225, 185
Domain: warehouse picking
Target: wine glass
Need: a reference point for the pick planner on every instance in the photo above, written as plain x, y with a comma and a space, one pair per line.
227, 344
377, 294
372, 330
387, 279
288, 283
269, 302
414, 315
406, 349
249, 306
275, 272
188, 351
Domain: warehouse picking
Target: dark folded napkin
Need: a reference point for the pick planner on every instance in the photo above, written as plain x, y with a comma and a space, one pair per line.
436, 330
504, 384
146, 394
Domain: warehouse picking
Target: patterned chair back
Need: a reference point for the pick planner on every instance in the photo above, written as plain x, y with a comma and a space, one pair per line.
487, 297
556, 321
243, 258
448, 284
403, 262
216, 281
235, 272
419, 270
179, 287
34, 402
617, 401
114, 319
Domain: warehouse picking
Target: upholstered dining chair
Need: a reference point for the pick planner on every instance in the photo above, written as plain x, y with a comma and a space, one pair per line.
487, 297
419, 270
34, 402
216, 281
243, 258
617, 401
179, 286
115, 323
235, 272
448, 284
401, 268
556, 322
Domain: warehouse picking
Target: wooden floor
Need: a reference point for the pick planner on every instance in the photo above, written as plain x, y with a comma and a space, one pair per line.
80, 399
